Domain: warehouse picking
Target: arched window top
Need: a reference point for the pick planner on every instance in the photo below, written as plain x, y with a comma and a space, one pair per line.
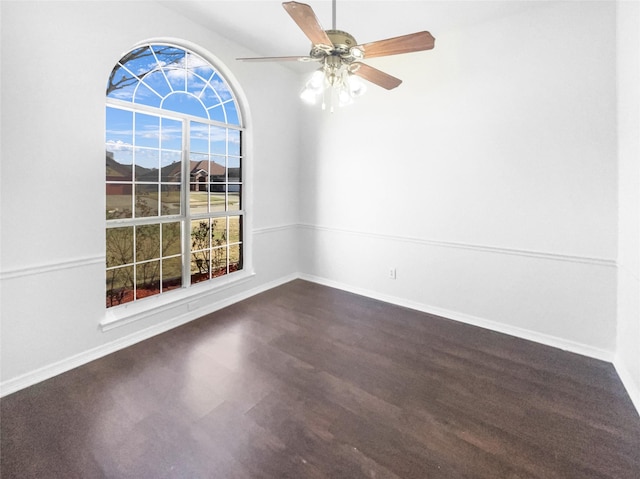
172, 78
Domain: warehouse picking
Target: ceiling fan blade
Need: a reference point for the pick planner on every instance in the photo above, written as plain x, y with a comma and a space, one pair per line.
306, 19
278, 59
414, 42
374, 75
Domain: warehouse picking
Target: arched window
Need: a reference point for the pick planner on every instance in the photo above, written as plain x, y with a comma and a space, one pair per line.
174, 183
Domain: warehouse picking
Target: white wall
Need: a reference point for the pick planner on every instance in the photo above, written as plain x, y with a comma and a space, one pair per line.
628, 345
56, 58
488, 178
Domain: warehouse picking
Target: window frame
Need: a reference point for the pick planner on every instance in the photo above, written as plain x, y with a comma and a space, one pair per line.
189, 292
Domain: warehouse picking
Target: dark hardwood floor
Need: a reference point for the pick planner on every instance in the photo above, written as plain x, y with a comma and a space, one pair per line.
305, 381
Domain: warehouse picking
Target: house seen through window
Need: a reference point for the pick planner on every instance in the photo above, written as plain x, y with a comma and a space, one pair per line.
174, 189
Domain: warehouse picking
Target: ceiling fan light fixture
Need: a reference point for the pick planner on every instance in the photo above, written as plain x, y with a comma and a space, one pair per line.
356, 86
334, 81
316, 81
308, 96
314, 87
344, 97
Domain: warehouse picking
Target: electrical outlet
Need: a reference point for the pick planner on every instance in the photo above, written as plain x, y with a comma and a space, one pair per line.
392, 273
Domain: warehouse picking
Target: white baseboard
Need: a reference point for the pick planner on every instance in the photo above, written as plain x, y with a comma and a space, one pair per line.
629, 384
67, 364
548, 340
49, 371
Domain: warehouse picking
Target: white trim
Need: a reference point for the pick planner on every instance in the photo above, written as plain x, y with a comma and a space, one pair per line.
548, 340
628, 382
275, 229
468, 246
93, 260
135, 311
59, 367
44, 268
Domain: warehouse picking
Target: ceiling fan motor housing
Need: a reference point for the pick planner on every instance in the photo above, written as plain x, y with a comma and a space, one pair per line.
342, 47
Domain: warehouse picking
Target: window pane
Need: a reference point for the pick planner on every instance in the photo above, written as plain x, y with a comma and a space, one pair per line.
171, 239
147, 279
119, 131
218, 140
199, 169
199, 73
184, 104
119, 144
168, 56
146, 96
121, 84
158, 83
234, 169
235, 258
147, 130
234, 143
232, 114
199, 141
119, 163
199, 66
219, 261
235, 229
171, 137
171, 166
221, 88
219, 232
200, 266
195, 84
216, 197
119, 285
139, 61
170, 199
177, 78
146, 200
119, 246
119, 200
233, 197
171, 273
217, 113
198, 199
200, 235
146, 164
147, 242
210, 98
217, 170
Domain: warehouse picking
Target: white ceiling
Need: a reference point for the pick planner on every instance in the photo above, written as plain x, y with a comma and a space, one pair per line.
264, 27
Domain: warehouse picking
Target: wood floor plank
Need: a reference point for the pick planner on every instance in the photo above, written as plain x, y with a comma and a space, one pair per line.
305, 381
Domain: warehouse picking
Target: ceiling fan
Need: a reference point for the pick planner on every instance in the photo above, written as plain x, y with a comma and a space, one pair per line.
341, 56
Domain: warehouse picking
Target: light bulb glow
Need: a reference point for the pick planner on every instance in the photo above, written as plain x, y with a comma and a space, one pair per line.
356, 53
336, 81
308, 96
316, 82
344, 98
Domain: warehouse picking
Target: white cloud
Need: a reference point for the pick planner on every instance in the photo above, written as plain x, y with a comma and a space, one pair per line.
118, 145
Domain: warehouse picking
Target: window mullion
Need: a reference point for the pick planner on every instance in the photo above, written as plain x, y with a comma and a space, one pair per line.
186, 212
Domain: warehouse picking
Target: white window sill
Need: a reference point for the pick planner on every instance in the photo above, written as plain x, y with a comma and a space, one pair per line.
130, 312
